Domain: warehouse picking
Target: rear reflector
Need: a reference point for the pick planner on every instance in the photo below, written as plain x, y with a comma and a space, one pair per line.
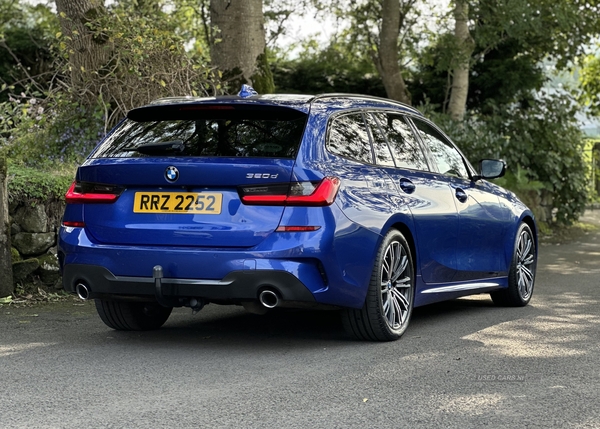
297, 228
92, 193
311, 194
73, 224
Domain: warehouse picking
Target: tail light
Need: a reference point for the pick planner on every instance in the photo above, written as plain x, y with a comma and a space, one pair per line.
92, 193
311, 194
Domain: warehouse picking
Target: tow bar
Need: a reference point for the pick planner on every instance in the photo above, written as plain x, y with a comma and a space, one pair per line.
157, 274
196, 304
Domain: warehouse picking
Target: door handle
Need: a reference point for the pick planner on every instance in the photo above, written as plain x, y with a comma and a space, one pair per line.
461, 195
407, 186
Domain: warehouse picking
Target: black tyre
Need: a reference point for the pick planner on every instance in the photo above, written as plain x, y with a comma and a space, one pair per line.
521, 276
132, 316
388, 306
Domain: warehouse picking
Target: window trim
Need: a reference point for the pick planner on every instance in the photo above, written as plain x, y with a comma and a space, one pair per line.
417, 141
335, 116
372, 139
467, 164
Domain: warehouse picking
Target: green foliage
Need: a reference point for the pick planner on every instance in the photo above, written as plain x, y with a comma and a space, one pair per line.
26, 183
529, 191
512, 38
545, 29
262, 80
40, 126
590, 83
506, 75
26, 32
333, 69
541, 142
147, 61
365, 18
41, 132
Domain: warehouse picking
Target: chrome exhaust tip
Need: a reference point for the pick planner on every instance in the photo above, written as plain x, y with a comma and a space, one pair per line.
83, 292
268, 298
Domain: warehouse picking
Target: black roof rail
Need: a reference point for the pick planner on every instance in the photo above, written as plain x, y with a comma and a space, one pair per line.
365, 97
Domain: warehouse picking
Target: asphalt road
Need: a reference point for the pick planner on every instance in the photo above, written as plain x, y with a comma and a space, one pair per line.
461, 364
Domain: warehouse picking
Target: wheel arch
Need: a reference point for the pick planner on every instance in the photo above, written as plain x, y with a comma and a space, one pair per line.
409, 236
528, 219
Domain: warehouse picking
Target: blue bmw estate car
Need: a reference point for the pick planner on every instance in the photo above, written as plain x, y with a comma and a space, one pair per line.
335, 201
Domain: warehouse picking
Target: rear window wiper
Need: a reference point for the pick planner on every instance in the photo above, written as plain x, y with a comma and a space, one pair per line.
160, 147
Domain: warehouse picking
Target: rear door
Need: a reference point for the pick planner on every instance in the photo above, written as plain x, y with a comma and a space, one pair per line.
366, 194
428, 198
181, 170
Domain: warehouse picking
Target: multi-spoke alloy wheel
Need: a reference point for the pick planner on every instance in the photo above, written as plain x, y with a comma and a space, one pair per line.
521, 276
388, 305
395, 285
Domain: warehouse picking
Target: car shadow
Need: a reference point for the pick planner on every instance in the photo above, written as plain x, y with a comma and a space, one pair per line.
231, 327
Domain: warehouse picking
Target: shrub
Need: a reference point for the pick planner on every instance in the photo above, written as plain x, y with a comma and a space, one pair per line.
30, 184
541, 143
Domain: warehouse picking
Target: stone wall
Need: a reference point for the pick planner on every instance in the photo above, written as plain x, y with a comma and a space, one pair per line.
34, 228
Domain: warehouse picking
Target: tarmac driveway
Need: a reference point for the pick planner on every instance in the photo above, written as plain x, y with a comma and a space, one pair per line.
461, 364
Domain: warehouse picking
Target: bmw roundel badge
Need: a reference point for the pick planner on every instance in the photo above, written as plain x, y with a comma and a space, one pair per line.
172, 174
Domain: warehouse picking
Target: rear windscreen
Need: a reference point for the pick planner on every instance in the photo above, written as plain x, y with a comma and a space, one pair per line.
233, 136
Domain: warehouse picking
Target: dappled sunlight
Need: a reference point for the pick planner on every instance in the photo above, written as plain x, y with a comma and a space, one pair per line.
584, 259
20, 348
523, 338
562, 266
477, 404
565, 302
563, 331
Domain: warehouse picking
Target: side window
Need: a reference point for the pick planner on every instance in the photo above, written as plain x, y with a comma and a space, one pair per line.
446, 157
383, 156
348, 138
402, 141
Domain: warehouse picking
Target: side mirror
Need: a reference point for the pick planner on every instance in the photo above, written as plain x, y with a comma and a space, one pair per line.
491, 169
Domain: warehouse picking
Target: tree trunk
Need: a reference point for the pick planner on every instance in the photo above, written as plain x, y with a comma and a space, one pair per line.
387, 61
460, 74
6, 277
88, 53
239, 47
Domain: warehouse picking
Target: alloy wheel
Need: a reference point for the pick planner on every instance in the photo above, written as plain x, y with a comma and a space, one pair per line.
396, 285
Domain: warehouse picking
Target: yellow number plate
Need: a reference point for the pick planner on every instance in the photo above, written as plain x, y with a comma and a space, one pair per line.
177, 202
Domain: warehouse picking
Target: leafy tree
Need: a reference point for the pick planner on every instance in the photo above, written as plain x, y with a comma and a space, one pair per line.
238, 50
465, 45
333, 69
26, 58
590, 83
87, 50
143, 58
383, 30
522, 32
541, 143
506, 75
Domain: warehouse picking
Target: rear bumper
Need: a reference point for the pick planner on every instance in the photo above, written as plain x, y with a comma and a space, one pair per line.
333, 264
237, 286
